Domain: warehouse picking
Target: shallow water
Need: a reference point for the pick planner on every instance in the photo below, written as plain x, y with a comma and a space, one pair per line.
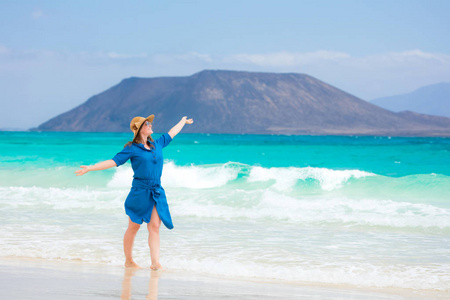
365, 211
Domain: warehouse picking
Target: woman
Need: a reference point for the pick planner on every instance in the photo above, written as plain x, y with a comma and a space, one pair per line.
146, 201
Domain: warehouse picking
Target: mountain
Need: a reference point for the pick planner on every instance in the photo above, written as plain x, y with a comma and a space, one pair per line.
432, 99
238, 102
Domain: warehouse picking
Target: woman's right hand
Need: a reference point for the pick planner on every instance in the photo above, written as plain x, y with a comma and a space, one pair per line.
84, 170
187, 121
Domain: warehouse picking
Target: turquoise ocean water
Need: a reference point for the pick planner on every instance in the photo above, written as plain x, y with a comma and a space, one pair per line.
364, 211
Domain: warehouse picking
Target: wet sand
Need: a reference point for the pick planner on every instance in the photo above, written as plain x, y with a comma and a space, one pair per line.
41, 279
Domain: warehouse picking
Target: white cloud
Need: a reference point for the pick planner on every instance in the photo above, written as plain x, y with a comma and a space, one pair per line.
298, 59
406, 59
37, 14
284, 59
4, 50
187, 57
115, 55
422, 55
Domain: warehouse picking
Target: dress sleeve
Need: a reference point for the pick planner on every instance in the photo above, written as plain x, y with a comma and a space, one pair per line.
124, 155
164, 140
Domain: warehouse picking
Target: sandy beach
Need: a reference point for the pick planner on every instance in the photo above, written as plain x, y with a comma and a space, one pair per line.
41, 279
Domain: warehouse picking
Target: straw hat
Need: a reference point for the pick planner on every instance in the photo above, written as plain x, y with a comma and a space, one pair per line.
137, 122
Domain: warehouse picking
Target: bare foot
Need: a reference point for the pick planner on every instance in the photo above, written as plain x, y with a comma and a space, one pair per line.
131, 264
156, 267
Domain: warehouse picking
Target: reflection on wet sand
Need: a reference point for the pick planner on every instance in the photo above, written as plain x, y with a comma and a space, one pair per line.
152, 285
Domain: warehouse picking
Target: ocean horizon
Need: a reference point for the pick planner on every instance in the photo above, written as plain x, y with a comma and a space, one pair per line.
363, 211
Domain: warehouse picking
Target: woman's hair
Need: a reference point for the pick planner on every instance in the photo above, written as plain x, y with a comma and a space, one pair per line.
136, 139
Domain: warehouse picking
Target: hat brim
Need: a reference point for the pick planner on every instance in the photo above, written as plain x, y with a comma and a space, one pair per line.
149, 118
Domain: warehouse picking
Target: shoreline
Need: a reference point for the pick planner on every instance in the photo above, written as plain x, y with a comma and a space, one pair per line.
25, 278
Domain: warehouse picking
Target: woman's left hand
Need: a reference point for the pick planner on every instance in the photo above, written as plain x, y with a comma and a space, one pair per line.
82, 171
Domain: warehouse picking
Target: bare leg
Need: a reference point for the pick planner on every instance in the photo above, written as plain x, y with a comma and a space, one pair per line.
128, 241
153, 239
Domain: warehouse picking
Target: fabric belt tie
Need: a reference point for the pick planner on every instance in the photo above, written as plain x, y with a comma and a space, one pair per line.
151, 185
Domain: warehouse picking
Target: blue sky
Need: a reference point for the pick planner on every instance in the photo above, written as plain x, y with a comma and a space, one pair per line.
54, 55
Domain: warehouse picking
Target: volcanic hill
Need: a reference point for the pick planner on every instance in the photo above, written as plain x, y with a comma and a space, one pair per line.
236, 102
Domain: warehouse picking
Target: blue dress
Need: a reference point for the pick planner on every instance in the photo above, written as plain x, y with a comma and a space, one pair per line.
146, 190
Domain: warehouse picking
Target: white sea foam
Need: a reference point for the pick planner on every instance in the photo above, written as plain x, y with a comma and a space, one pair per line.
355, 274
270, 205
88, 224
244, 265
252, 205
122, 178
329, 270
57, 199
286, 178
210, 176
193, 177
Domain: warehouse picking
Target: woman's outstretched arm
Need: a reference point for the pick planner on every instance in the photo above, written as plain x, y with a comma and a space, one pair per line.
97, 167
177, 128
